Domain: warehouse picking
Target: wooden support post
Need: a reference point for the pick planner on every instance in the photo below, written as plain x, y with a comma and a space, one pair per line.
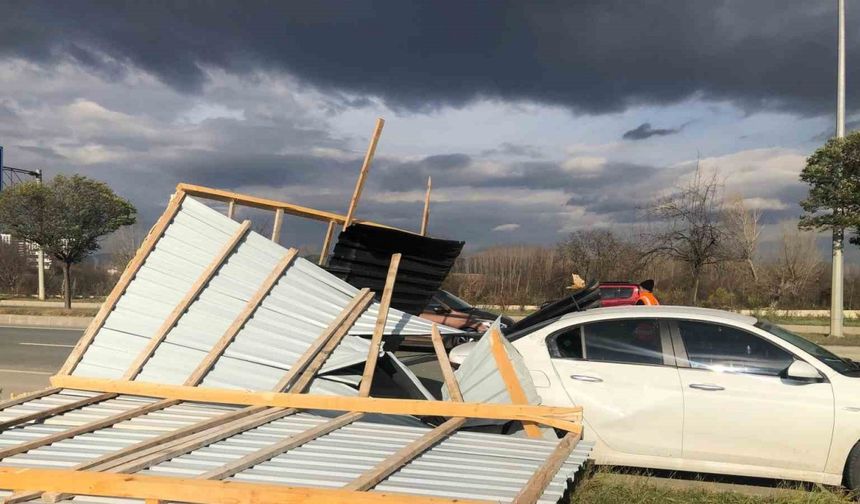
29, 396
512, 383
362, 175
425, 217
401, 457
127, 276
329, 234
268, 452
379, 329
445, 364
187, 300
537, 484
239, 322
56, 410
231, 208
278, 224
303, 370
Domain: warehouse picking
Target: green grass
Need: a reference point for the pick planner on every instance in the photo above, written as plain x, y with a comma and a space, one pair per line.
823, 321
608, 488
50, 312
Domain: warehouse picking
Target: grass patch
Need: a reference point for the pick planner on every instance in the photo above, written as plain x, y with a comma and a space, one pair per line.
48, 312
605, 487
824, 340
822, 321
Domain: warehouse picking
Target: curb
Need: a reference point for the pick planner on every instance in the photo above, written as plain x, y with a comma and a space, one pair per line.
43, 321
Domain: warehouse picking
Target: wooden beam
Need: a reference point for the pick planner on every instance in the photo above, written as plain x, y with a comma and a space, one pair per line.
555, 416
187, 300
277, 225
28, 396
303, 370
403, 456
125, 279
270, 204
362, 175
379, 329
509, 376
268, 452
425, 217
231, 208
329, 233
196, 491
537, 484
56, 410
241, 319
445, 365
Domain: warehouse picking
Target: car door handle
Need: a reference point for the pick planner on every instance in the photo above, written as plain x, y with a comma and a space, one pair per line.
706, 386
586, 378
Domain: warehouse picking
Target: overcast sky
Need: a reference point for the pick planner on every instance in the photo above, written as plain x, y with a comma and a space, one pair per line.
535, 119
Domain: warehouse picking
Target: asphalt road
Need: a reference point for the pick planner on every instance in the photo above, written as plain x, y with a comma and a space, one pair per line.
30, 355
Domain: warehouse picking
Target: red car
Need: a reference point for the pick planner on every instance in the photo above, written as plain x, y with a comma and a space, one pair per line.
627, 293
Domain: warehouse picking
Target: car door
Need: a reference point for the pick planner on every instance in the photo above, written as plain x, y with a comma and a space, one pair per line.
622, 373
739, 409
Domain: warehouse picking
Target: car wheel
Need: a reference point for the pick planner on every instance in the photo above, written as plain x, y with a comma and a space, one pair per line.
851, 477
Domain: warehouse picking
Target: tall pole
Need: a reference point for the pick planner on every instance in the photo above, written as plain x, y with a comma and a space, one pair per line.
836, 280
362, 175
40, 257
425, 217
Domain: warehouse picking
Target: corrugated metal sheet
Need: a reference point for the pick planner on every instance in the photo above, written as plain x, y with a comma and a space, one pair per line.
465, 465
302, 303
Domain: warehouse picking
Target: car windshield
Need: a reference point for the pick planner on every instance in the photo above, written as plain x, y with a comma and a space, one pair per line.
843, 366
453, 301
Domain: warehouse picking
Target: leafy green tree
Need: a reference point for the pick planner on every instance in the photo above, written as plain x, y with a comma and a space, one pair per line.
833, 175
65, 217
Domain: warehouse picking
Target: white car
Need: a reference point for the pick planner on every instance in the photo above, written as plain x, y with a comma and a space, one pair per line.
701, 390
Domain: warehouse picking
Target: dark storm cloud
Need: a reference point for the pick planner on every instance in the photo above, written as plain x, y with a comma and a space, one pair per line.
590, 56
644, 131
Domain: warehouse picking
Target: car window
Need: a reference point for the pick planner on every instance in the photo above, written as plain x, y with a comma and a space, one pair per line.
566, 344
633, 341
453, 301
727, 349
616, 292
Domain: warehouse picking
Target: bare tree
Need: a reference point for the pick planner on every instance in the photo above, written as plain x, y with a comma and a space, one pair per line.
694, 231
796, 266
13, 266
601, 254
743, 232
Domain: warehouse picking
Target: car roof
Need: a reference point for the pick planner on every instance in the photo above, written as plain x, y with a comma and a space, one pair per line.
667, 311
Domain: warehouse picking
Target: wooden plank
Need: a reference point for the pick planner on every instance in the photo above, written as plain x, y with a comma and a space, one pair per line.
268, 452
555, 416
28, 396
327, 242
56, 410
125, 279
401, 457
303, 370
509, 376
445, 365
537, 484
241, 319
379, 329
277, 225
187, 300
196, 491
425, 217
231, 208
362, 175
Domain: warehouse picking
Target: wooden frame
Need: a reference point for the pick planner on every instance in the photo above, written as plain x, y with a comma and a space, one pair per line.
425, 216
509, 376
362, 175
329, 234
537, 484
196, 491
379, 328
277, 225
445, 365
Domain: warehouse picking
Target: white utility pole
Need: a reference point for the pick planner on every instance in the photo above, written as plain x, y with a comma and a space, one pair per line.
836, 280
40, 260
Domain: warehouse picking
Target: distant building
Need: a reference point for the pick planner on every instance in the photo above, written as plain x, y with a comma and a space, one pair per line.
25, 248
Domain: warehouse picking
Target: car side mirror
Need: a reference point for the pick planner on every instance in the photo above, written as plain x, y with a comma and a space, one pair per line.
799, 370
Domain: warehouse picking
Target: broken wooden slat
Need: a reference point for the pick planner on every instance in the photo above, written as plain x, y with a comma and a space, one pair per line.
268, 452
195, 491
401, 457
379, 329
187, 300
329, 233
304, 369
239, 322
445, 364
231, 208
362, 175
425, 217
509, 376
56, 410
128, 275
277, 225
537, 484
